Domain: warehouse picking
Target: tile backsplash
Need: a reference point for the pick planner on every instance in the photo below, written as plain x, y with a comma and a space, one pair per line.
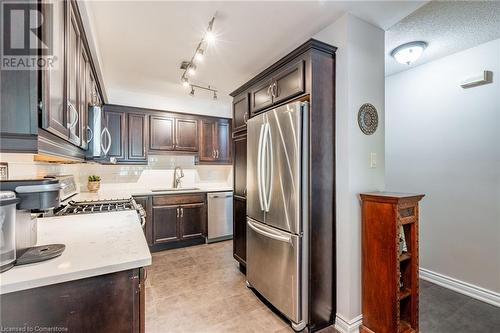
23, 166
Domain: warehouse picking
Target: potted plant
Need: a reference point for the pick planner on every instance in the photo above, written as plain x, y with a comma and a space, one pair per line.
94, 183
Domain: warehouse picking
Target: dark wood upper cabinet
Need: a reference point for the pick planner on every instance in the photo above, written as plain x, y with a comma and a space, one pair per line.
241, 112
116, 123
215, 141
53, 85
85, 95
207, 140
289, 82
73, 77
279, 86
165, 224
186, 134
137, 129
161, 133
223, 149
240, 165
261, 96
192, 221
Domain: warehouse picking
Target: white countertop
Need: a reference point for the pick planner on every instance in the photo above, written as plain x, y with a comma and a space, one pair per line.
96, 244
127, 192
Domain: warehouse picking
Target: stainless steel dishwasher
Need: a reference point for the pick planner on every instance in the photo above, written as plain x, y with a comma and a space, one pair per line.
220, 216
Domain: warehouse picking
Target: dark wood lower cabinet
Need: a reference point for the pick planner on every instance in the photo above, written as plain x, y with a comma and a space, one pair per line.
240, 229
192, 221
176, 221
165, 224
106, 303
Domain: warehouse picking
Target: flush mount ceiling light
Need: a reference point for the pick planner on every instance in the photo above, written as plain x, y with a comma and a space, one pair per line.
189, 67
409, 52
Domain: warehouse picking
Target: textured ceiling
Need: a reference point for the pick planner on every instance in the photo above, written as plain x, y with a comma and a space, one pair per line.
448, 27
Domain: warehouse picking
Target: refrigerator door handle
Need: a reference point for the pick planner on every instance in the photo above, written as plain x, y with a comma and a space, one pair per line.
259, 167
269, 234
269, 166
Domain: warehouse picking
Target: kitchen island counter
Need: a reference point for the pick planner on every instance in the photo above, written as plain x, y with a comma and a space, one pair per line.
96, 244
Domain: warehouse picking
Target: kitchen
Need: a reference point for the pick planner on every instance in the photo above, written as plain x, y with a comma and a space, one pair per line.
197, 172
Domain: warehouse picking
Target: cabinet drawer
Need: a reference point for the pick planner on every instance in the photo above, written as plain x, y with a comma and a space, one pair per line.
162, 200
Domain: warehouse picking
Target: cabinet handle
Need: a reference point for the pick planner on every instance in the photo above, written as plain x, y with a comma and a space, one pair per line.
77, 116
106, 149
214, 153
274, 89
245, 118
90, 134
217, 154
182, 212
177, 212
269, 90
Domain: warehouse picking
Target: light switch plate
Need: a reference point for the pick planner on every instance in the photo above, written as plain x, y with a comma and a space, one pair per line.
4, 171
373, 160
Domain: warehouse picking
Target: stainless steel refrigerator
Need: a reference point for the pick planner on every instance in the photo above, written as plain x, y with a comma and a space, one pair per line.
277, 204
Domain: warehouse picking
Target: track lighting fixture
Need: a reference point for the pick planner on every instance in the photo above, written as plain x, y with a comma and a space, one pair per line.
189, 67
199, 55
192, 69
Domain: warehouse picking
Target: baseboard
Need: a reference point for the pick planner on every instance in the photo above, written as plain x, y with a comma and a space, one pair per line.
347, 326
461, 287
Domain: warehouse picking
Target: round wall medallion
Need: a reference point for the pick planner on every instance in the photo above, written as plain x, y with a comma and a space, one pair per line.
368, 118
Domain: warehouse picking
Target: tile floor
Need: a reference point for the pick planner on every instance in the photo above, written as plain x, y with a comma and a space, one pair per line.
200, 290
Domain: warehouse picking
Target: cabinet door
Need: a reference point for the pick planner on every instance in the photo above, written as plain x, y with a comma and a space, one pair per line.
261, 97
137, 136
161, 133
84, 94
186, 135
289, 82
165, 224
148, 228
207, 140
240, 165
240, 112
54, 107
193, 220
72, 78
240, 229
223, 148
115, 122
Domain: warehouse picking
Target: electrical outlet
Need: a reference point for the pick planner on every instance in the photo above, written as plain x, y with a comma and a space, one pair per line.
4, 171
373, 160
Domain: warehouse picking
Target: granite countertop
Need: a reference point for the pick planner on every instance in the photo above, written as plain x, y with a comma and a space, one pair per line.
96, 244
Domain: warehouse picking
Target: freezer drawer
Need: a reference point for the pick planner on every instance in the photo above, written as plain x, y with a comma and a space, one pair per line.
274, 267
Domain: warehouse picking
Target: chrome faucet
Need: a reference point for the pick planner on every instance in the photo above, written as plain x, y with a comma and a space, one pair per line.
178, 176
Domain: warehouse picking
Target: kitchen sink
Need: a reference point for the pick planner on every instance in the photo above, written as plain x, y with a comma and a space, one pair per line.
171, 189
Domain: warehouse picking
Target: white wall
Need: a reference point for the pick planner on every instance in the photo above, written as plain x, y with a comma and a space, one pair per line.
444, 141
359, 79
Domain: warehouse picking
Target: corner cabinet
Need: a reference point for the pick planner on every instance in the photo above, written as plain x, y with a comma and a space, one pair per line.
215, 141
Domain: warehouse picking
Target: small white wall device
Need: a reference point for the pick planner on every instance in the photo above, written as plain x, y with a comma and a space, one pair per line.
478, 80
